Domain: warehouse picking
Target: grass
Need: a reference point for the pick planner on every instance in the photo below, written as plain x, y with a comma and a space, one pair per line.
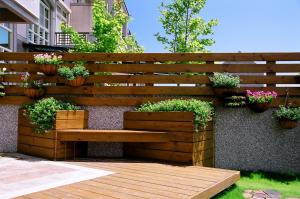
287, 185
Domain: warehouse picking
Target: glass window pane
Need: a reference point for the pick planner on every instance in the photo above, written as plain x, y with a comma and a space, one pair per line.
4, 38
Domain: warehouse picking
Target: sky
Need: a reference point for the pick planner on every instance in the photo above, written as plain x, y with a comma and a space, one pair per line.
244, 25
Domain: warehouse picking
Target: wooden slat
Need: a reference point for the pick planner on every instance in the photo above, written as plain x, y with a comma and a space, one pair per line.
187, 147
167, 155
125, 101
160, 79
161, 116
146, 90
159, 125
112, 136
154, 57
72, 115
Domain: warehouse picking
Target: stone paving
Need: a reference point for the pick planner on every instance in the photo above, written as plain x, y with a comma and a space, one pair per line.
262, 194
21, 175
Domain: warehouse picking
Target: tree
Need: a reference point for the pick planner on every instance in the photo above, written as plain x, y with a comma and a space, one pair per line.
185, 30
107, 30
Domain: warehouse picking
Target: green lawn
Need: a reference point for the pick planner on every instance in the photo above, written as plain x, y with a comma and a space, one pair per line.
288, 186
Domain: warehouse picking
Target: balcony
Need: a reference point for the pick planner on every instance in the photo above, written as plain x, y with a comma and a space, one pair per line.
63, 39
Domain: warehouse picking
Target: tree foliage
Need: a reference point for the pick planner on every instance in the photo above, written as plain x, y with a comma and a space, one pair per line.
184, 29
107, 30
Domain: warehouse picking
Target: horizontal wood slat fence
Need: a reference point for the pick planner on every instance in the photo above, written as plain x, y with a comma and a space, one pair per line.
139, 78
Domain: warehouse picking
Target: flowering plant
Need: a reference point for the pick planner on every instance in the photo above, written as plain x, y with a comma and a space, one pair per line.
27, 82
47, 59
2, 71
261, 96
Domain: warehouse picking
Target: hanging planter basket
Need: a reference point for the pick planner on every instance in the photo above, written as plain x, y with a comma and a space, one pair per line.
288, 124
34, 93
48, 69
79, 81
225, 92
259, 107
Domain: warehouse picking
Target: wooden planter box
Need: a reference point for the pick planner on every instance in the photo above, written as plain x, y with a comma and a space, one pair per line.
47, 145
186, 145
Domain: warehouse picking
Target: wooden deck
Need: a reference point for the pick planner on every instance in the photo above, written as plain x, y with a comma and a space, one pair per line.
133, 179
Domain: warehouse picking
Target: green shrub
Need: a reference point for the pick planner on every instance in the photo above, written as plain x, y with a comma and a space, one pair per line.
225, 80
287, 113
72, 73
203, 110
42, 113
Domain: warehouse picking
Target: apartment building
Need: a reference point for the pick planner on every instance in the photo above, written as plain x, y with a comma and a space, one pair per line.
34, 25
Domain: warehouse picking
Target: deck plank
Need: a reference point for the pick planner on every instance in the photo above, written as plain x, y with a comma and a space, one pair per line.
135, 179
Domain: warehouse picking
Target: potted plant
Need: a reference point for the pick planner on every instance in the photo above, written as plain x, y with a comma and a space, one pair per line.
38, 124
235, 101
260, 101
288, 117
2, 73
48, 62
43, 113
225, 84
32, 88
75, 76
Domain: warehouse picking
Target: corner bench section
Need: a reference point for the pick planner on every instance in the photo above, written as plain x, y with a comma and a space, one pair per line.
185, 146
47, 145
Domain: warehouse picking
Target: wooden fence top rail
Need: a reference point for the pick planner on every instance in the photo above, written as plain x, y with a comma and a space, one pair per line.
156, 57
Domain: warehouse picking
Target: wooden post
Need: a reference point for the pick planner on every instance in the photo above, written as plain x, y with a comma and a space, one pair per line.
271, 73
149, 73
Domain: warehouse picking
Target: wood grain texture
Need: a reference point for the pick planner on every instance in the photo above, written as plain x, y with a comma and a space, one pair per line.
185, 145
135, 179
154, 76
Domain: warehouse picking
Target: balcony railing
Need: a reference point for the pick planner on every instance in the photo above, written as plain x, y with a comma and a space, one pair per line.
63, 39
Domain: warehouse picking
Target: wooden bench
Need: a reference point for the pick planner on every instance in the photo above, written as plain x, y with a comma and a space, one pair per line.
88, 135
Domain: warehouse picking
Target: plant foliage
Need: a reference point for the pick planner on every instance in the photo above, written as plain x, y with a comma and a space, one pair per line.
72, 73
185, 30
28, 82
107, 30
287, 113
225, 80
203, 110
42, 113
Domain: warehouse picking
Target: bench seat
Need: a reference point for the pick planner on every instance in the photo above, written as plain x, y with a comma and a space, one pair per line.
88, 135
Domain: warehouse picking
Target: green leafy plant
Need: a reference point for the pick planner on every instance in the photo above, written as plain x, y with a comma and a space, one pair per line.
203, 110
27, 82
287, 113
184, 29
107, 30
2, 93
225, 80
47, 59
42, 113
72, 73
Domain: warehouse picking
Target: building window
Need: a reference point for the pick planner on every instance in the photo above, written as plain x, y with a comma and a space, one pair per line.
39, 33
63, 15
5, 37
